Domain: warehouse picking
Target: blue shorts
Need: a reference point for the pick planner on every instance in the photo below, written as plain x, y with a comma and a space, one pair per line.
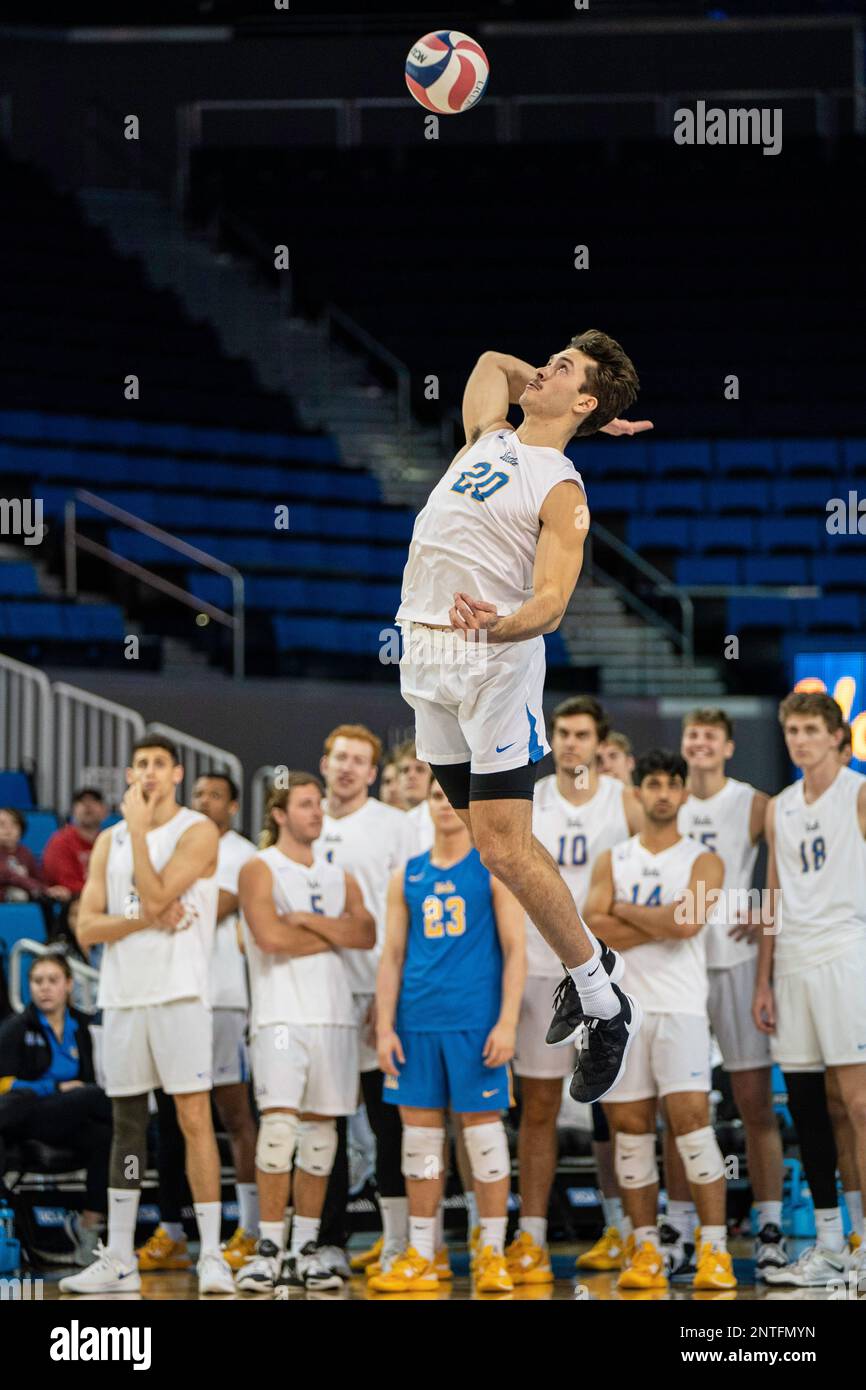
447, 1069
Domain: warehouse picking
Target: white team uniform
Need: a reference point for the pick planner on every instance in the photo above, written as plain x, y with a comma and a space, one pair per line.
721, 823
668, 978
421, 824
154, 986
819, 966
575, 836
229, 992
478, 533
303, 1038
370, 844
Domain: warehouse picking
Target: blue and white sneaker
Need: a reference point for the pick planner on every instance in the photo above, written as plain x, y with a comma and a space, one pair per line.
107, 1274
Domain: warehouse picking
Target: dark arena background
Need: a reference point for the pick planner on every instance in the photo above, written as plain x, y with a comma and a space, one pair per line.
244, 278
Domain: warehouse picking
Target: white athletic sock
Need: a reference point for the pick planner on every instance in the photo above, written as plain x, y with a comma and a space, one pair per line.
395, 1224
272, 1231
768, 1214
439, 1229
592, 984
422, 1235
471, 1213
613, 1212
304, 1229
854, 1203
626, 1229
248, 1207
642, 1234
174, 1230
122, 1215
715, 1236
493, 1232
683, 1216
828, 1228
535, 1226
208, 1217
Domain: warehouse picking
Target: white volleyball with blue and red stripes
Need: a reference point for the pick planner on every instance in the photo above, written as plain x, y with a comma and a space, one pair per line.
447, 72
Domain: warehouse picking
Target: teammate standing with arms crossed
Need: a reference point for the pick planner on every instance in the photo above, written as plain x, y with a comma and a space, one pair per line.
151, 897
495, 555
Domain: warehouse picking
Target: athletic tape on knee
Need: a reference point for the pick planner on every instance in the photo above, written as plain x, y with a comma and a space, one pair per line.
487, 1147
635, 1160
422, 1152
277, 1141
317, 1147
701, 1155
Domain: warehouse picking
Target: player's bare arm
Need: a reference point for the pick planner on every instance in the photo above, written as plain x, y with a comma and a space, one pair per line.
509, 915
763, 1001
748, 925
598, 910
558, 561
195, 856
94, 924
758, 817
633, 810
390, 975
272, 933
496, 381
662, 922
227, 904
355, 927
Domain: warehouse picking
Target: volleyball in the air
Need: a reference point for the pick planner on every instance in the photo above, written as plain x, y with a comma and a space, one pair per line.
447, 72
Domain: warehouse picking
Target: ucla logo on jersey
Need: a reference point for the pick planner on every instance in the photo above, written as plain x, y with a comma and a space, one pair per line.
446, 886
813, 825
509, 457
702, 820
649, 872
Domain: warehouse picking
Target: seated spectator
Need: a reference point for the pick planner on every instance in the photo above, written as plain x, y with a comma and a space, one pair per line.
67, 853
48, 1092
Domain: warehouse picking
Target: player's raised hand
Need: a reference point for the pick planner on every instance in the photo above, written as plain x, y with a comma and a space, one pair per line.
626, 427
136, 810
472, 614
389, 1047
499, 1047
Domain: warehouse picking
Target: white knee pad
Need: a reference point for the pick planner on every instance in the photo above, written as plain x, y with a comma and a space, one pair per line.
635, 1160
278, 1138
701, 1155
317, 1147
487, 1149
422, 1152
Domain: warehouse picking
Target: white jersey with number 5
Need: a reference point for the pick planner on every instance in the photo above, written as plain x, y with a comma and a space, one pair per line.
721, 823
478, 531
667, 977
575, 836
821, 862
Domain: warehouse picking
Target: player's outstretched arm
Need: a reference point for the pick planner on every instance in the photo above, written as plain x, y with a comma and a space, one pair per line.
495, 382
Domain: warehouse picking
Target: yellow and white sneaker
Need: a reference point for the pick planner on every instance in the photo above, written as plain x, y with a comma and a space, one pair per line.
442, 1263
854, 1243
527, 1262
161, 1252
364, 1258
410, 1273
474, 1245
491, 1272
240, 1248
645, 1271
607, 1253
715, 1269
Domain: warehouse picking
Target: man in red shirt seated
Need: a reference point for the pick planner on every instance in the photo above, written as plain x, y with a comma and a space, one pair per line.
67, 853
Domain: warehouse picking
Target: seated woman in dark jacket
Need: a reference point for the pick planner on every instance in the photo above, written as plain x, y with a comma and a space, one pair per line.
48, 1090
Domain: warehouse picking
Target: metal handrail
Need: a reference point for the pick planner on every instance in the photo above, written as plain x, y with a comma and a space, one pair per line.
332, 314
685, 639
25, 945
75, 540
26, 729
205, 757
88, 727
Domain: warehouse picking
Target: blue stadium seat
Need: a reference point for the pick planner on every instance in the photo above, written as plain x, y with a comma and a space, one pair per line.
854, 455
609, 459
839, 571
682, 498
614, 497
708, 569
777, 569
41, 825
18, 920
659, 533
836, 612
717, 536
809, 455
15, 790
555, 650
745, 613
746, 457
682, 458
806, 494
789, 533
18, 581
736, 495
